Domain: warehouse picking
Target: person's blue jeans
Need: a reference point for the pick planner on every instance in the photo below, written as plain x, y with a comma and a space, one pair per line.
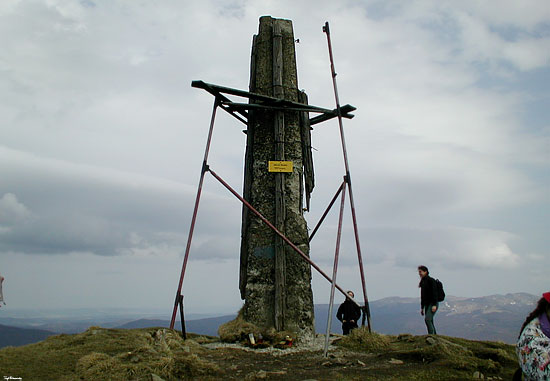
429, 318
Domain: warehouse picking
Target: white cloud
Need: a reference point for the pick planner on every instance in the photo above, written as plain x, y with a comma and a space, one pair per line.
80, 208
482, 44
12, 212
528, 54
455, 247
102, 136
527, 15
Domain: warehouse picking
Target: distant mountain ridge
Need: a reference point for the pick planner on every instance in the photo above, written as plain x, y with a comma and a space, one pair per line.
494, 317
13, 336
207, 326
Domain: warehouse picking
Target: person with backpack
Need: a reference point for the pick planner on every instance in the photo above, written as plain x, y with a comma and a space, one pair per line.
533, 346
430, 297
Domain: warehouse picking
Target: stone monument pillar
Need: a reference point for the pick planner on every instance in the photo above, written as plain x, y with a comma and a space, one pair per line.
275, 281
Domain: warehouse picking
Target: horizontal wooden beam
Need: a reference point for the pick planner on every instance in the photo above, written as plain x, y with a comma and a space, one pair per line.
345, 110
270, 102
281, 107
215, 89
222, 98
233, 112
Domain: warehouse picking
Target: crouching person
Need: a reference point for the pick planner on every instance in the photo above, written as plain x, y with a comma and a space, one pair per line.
349, 314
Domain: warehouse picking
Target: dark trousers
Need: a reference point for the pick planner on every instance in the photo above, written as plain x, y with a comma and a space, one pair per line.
347, 327
429, 319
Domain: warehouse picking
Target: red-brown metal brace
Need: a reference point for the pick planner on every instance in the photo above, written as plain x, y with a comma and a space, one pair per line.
194, 218
326, 211
266, 221
335, 266
348, 176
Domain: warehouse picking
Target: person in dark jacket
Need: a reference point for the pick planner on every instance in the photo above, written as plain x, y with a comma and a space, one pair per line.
428, 298
348, 313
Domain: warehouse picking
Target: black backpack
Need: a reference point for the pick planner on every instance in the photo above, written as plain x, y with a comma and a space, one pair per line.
440, 291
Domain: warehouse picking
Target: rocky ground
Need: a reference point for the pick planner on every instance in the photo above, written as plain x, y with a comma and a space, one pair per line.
161, 354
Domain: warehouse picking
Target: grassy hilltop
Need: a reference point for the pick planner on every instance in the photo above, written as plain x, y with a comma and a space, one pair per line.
160, 354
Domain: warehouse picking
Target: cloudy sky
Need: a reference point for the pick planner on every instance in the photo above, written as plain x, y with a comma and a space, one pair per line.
101, 140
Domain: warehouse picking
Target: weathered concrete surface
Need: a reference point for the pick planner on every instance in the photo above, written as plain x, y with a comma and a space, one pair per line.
259, 247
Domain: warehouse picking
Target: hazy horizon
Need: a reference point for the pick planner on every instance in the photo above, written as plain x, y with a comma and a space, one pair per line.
112, 312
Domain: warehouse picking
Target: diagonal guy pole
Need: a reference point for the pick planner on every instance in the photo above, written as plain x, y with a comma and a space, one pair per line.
276, 231
335, 267
348, 176
327, 210
194, 218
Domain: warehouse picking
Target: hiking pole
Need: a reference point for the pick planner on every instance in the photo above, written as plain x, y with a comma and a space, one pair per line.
348, 175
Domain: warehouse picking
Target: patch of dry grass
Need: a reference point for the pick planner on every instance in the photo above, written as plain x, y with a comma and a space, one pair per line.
455, 353
362, 340
238, 329
160, 354
444, 355
109, 354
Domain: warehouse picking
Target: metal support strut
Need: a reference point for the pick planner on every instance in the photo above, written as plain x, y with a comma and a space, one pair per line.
266, 221
348, 176
195, 210
335, 266
326, 211
179, 302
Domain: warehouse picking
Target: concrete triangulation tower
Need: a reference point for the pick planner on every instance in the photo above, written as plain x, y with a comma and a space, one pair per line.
274, 281
275, 271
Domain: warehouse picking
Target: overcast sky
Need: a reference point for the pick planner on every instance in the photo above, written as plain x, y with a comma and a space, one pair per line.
101, 142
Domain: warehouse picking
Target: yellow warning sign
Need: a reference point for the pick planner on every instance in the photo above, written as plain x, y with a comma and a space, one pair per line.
280, 166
